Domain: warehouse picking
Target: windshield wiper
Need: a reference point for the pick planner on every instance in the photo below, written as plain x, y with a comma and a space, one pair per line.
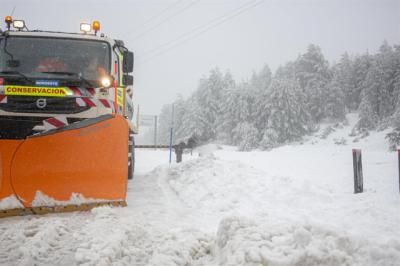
66, 73
17, 73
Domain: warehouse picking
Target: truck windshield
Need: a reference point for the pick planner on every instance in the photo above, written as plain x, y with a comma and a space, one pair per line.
45, 57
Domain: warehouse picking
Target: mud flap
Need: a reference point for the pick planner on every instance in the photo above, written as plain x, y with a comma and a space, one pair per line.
83, 163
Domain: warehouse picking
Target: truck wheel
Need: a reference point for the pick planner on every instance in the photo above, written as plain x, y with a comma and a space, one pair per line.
131, 156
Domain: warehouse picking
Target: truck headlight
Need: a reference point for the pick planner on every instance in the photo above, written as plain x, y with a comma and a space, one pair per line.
105, 82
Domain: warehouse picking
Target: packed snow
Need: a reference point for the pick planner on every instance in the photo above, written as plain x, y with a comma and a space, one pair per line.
41, 199
293, 205
10, 202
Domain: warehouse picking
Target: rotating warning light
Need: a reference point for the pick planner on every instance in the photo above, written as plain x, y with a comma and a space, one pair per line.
8, 20
96, 26
19, 24
85, 27
106, 82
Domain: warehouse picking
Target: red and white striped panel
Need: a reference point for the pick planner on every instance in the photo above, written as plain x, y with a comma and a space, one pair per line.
89, 92
93, 102
92, 91
3, 99
55, 122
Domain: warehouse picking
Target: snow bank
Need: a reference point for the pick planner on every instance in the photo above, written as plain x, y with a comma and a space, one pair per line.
241, 241
290, 220
40, 240
109, 239
215, 186
10, 202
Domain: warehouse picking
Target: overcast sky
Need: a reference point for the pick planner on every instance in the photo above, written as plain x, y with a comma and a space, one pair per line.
176, 42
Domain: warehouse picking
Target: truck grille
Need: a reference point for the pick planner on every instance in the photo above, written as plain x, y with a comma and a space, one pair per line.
53, 105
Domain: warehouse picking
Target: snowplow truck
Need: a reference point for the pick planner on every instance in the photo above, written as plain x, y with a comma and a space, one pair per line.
66, 110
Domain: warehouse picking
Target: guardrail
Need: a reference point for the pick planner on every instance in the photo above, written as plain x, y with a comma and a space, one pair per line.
178, 148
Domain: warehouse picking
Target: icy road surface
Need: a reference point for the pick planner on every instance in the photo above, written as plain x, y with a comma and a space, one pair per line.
290, 206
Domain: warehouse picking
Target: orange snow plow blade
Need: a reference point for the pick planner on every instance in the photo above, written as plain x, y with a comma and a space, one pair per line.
78, 167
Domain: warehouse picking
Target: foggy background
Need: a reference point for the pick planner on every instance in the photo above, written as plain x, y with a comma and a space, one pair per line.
178, 42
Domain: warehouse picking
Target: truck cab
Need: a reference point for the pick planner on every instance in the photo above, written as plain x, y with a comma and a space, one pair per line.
68, 77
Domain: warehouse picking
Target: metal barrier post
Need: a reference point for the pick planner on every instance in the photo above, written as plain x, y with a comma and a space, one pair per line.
358, 174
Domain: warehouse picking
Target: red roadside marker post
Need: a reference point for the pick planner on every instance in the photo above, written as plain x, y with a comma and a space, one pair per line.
358, 174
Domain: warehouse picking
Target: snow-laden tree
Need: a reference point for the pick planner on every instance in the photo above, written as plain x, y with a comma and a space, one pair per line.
369, 106
361, 67
389, 67
268, 110
313, 74
335, 108
344, 78
194, 122
209, 96
261, 109
378, 102
260, 81
226, 119
396, 87
270, 139
243, 113
245, 136
289, 118
179, 106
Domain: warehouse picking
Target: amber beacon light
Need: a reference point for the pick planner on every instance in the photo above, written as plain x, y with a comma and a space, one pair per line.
8, 20
96, 26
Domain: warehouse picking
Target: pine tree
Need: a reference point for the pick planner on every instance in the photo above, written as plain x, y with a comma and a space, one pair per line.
225, 120
335, 108
345, 80
396, 87
179, 112
194, 121
361, 67
245, 136
261, 81
378, 97
208, 96
289, 118
369, 106
312, 73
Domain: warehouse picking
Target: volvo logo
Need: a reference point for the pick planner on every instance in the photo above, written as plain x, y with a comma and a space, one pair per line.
41, 103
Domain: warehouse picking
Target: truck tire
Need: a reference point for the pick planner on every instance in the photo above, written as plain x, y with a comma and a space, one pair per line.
131, 156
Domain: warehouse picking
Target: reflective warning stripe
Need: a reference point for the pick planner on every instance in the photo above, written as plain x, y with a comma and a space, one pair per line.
55, 122
105, 103
76, 91
92, 102
89, 102
3, 99
92, 91
80, 102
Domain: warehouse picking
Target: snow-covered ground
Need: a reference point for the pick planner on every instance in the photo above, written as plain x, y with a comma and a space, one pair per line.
293, 205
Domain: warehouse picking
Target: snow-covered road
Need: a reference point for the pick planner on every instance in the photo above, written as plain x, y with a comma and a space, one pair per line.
290, 206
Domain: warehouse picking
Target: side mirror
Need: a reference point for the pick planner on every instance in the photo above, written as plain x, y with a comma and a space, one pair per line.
127, 80
127, 62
